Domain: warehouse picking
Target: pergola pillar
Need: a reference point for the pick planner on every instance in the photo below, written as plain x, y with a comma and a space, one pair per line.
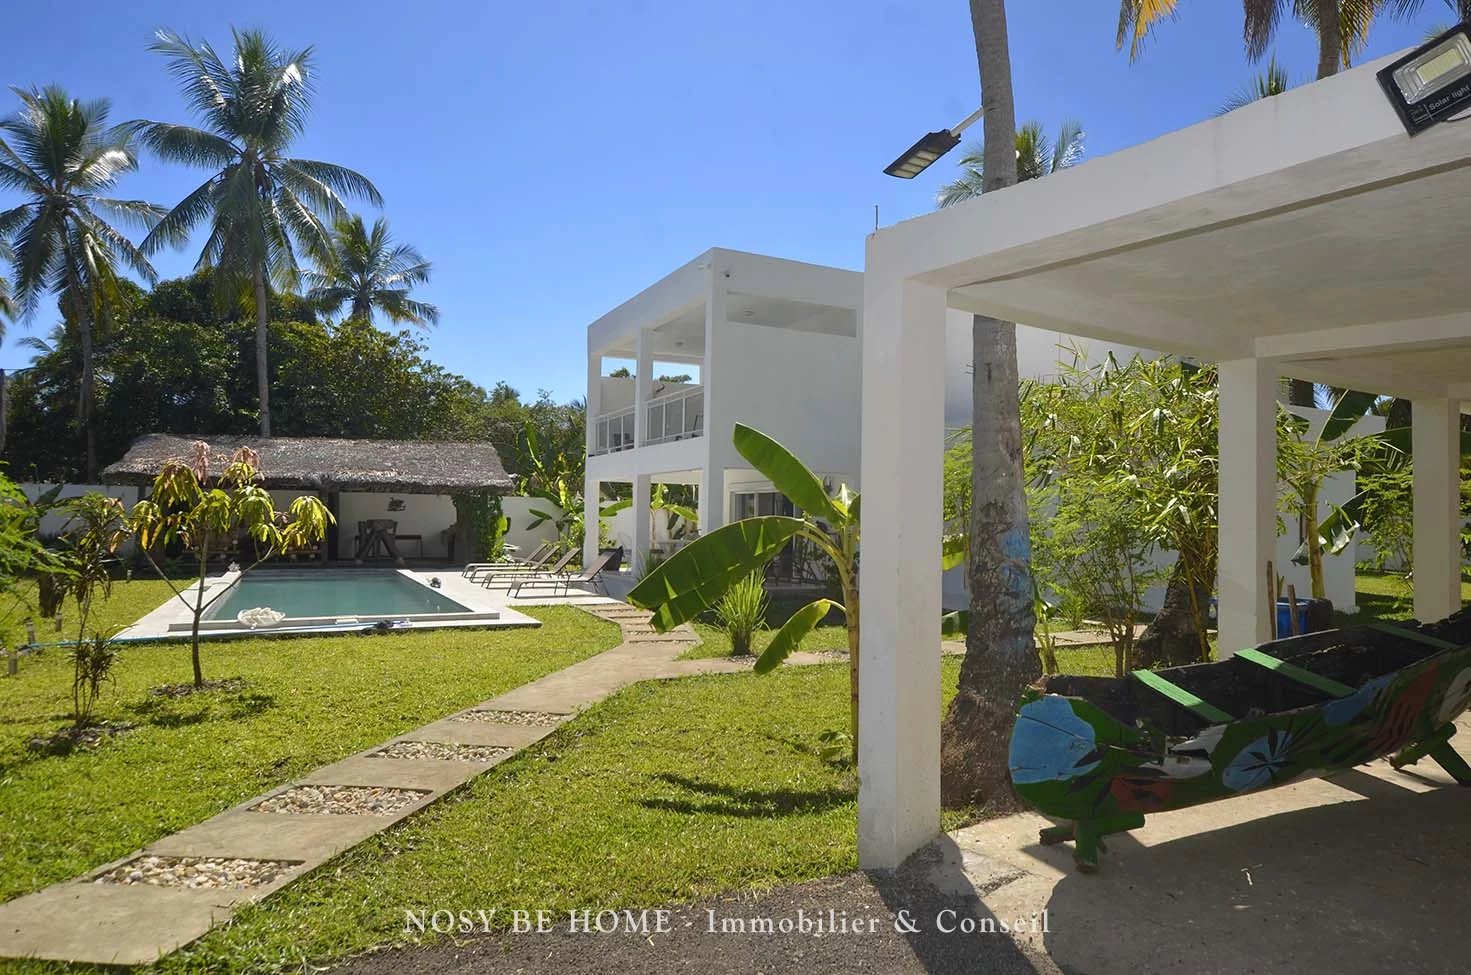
1248, 500
642, 538
902, 456
1436, 434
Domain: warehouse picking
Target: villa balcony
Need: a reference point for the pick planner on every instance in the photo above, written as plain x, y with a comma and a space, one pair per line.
679, 415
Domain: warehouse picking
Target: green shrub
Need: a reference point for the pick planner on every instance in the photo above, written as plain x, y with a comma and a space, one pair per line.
742, 611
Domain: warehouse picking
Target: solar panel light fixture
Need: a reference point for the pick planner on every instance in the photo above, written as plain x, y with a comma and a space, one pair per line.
931, 146
1432, 82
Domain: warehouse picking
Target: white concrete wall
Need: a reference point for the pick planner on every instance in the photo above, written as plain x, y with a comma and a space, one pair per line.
52, 524
518, 511
1038, 353
801, 388
423, 514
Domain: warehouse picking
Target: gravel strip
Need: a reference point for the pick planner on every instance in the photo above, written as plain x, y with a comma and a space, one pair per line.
442, 750
340, 800
196, 872
538, 719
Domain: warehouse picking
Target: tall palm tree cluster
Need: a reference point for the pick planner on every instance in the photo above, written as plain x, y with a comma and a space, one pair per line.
261, 209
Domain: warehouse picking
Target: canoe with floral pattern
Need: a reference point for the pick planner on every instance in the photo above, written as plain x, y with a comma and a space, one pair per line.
1103, 752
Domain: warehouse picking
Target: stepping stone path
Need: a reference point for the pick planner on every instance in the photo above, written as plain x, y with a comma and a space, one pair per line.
137, 909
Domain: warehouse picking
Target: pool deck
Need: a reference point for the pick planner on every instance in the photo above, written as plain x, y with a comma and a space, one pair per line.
170, 621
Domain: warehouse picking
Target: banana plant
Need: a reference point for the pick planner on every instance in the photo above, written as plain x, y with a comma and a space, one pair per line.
1303, 465
693, 579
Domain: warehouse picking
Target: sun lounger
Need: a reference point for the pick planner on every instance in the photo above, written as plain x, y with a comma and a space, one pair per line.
506, 575
563, 581
540, 556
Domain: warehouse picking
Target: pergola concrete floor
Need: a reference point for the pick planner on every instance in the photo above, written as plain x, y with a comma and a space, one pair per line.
1362, 872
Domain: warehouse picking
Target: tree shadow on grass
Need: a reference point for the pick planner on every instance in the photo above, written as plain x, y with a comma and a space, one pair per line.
164, 711
725, 800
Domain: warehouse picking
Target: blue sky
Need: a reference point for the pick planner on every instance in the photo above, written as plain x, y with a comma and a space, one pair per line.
554, 158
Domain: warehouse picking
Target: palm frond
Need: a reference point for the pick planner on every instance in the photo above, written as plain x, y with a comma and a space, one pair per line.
182, 143
341, 180
1259, 25
1137, 20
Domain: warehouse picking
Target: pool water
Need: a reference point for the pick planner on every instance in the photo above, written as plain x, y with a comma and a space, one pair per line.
325, 593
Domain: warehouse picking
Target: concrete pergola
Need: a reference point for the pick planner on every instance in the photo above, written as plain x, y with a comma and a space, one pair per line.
1305, 235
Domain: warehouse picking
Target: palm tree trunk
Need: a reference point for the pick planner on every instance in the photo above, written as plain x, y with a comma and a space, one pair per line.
262, 364
82, 314
1000, 648
1330, 38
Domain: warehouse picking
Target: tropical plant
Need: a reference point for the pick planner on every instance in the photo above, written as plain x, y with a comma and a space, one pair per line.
60, 154
95, 527
262, 205
204, 513
1000, 655
22, 555
485, 525
367, 270
92, 659
1036, 157
1304, 463
678, 516
7, 299
742, 611
694, 579
1268, 83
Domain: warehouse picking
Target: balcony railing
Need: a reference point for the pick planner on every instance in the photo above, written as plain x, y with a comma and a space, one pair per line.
679, 415
614, 432
676, 416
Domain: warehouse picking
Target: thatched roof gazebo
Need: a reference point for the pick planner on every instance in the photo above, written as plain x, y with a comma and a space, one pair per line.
332, 467
332, 464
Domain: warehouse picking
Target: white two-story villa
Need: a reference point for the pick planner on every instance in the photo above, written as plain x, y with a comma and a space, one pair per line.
774, 344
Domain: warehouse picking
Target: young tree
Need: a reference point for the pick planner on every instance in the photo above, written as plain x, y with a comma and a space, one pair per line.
205, 513
1000, 654
262, 204
95, 527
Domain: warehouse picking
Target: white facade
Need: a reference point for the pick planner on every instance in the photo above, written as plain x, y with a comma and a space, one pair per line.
771, 343
776, 346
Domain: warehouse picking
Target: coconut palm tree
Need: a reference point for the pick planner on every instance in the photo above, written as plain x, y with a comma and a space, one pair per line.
7, 300
61, 155
1000, 655
1268, 83
367, 270
262, 205
1036, 156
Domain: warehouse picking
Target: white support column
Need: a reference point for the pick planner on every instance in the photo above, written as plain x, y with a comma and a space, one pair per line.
903, 417
718, 423
1436, 432
642, 495
594, 399
643, 381
1248, 500
591, 503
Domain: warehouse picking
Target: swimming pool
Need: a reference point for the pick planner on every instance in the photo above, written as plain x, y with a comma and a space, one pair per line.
357, 593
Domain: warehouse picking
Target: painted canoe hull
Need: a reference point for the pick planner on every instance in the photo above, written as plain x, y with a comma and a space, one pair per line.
1073, 760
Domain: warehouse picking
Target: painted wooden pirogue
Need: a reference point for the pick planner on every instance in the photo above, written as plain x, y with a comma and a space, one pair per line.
1103, 752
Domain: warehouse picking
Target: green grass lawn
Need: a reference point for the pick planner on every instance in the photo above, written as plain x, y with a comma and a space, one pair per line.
669, 791
130, 600
305, 702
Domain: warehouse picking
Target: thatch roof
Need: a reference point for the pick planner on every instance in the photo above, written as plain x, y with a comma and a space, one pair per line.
328, 464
